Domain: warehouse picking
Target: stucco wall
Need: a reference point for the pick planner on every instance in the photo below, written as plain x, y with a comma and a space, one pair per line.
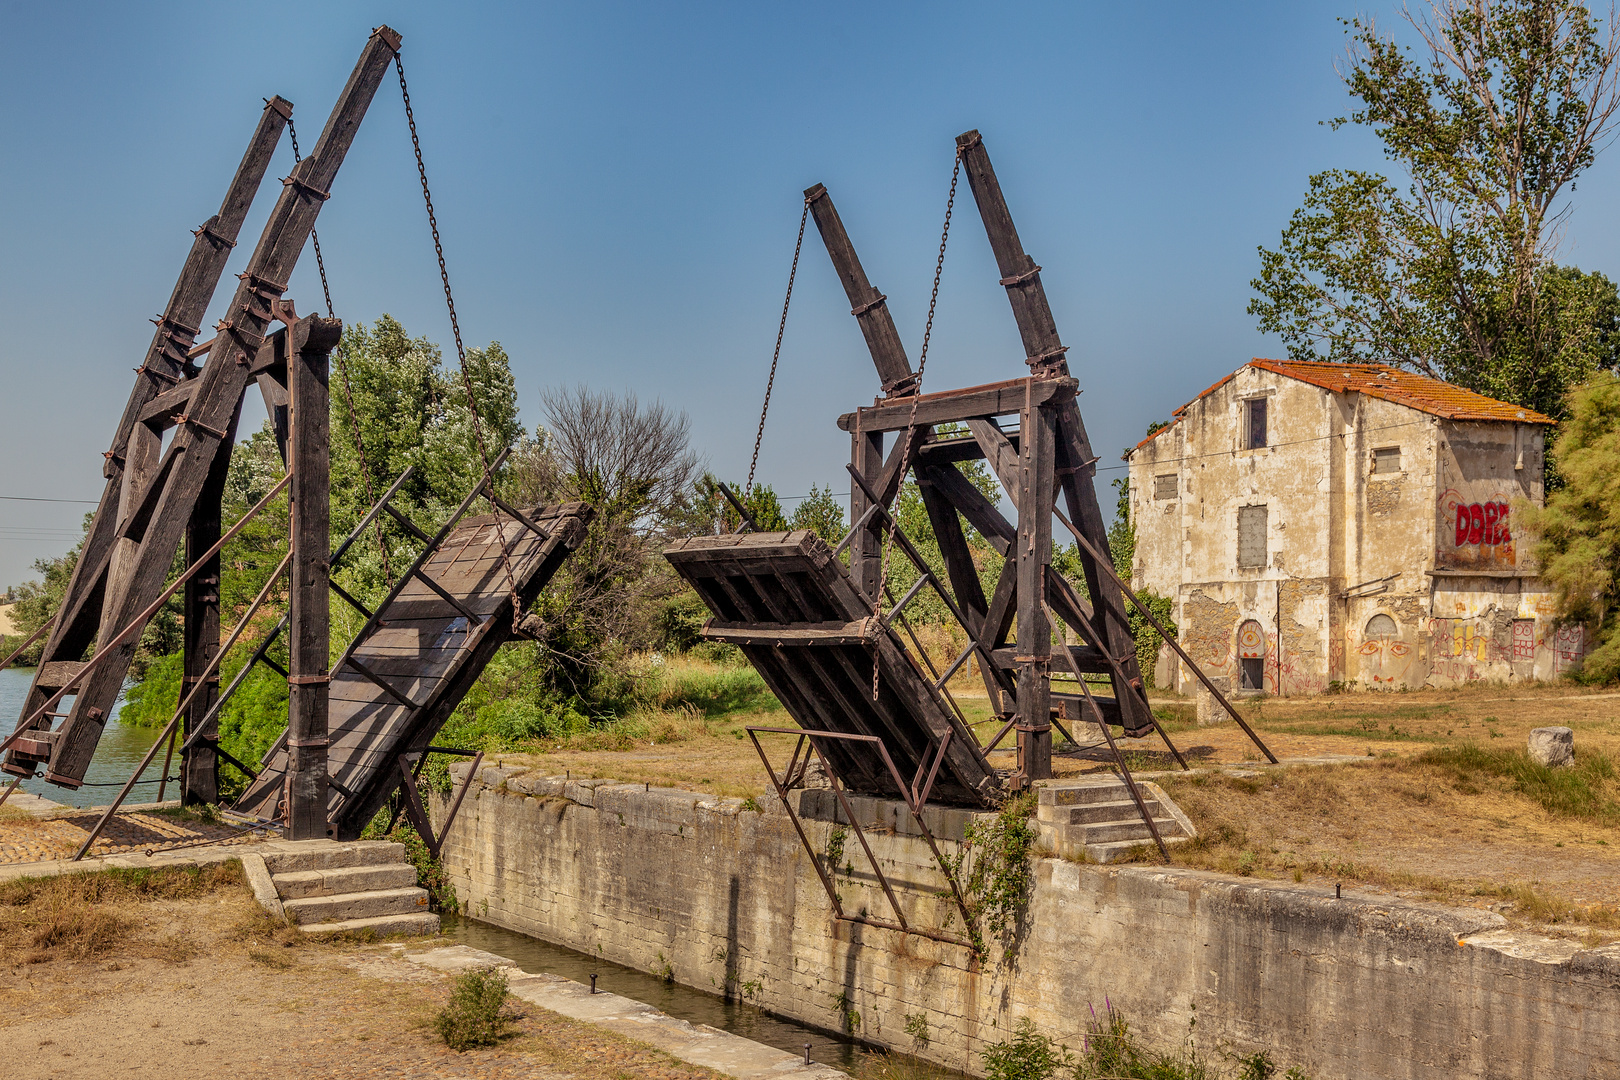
1345, 543
725, 898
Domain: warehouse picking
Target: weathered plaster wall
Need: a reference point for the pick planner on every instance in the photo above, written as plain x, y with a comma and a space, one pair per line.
1430, 544
728, 899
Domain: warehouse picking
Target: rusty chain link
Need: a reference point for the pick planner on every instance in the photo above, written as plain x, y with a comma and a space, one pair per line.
916, 396
348, 392
781, 327
461, 350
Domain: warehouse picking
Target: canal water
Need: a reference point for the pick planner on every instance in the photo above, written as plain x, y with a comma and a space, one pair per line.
682, 1002
119, 751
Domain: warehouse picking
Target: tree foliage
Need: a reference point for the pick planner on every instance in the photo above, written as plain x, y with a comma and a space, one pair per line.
1577, 535
1492, 120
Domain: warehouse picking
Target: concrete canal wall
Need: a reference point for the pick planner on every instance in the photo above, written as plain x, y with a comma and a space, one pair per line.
725, 899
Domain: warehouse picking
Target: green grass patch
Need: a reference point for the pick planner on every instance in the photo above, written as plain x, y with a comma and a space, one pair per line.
1583, 790
714, 690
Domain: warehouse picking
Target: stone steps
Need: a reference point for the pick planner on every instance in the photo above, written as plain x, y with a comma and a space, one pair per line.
1098, 821
327, 887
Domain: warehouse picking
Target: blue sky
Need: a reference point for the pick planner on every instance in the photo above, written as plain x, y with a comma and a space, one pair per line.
619, 186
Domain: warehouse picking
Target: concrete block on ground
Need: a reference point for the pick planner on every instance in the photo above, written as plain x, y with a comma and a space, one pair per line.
1553, 747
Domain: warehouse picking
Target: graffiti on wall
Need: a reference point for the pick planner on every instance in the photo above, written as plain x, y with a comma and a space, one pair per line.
1475, 531
1384, 660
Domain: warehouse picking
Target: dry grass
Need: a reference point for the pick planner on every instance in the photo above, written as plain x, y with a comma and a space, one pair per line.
1418, 825
85, 916
198, 981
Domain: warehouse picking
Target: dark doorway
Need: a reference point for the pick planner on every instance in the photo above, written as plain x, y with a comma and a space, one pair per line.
1254, 673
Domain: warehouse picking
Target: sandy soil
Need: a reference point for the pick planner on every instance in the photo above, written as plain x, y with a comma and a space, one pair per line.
26, 839
186, 993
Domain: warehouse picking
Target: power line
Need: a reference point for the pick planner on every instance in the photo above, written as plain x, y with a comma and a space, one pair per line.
32, 498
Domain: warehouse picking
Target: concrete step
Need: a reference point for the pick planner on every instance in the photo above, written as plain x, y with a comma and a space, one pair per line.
305, 855
381, 925
1086, 794
300, 884
1095, 813
1135, 831
1106, 853
357, 905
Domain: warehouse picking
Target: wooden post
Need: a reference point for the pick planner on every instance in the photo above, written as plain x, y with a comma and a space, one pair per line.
309, 636
1037, 447
866, 549
200, 765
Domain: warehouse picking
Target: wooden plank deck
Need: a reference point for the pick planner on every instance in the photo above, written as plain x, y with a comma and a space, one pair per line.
810, 652
428, 653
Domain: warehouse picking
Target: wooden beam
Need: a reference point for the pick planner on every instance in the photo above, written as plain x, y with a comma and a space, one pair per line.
160, 369
980, 512
309, 626
219, 394
866, 303
1043, 350
783, 634
199, 766
957, 406
953, 547
1001, 454
1036, 474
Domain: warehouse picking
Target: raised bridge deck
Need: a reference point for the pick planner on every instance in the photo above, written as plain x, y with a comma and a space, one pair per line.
419, 655
812, 635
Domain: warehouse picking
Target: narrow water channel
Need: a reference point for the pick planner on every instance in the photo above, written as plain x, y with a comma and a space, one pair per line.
119, 751
682, 1002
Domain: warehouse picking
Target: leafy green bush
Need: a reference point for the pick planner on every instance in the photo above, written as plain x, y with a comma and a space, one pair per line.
476, 1013
1028, 1055
992, 866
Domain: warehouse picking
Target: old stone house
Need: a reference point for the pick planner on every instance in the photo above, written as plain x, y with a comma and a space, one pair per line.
1319, 523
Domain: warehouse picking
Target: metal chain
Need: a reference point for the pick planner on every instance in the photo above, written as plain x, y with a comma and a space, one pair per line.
461, 350
348, 392
314, 236
911, 421
798, 245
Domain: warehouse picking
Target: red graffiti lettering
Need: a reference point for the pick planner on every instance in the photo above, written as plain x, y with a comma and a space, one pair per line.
1462, 525
1476, 523
1490, 524
1502, 536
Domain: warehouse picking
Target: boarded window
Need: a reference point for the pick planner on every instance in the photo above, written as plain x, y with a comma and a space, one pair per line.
1251, 536
1255, 424
1164, 487
1381, 627
1387, 459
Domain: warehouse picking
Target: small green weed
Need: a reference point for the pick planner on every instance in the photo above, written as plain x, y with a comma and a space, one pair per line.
476, 1014
992, 867
1028, 1055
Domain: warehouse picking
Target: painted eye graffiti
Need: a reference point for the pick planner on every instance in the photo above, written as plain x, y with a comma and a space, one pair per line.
1399, 648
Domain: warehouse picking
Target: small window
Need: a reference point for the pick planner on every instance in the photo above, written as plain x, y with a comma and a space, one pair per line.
1387, 459
1381, 628
1251, 536
1255, 434
1164, 487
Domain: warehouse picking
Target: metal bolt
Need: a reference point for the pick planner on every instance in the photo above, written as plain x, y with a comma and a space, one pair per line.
1338, 891
807, 1053
593, 984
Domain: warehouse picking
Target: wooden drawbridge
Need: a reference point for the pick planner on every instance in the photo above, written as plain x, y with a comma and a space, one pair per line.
418, 655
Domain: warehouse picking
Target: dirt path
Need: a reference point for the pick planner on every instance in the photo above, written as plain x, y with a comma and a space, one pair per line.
186, 992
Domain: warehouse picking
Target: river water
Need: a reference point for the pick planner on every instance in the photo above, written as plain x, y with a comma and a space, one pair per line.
119, 751
682, 1002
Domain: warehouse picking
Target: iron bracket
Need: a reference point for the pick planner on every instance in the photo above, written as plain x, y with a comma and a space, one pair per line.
915, 794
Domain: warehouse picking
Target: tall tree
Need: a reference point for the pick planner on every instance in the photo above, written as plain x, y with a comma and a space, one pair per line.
1576, 537
1492, 119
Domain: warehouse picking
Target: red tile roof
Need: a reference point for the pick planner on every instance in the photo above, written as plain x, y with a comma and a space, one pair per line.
1387, 383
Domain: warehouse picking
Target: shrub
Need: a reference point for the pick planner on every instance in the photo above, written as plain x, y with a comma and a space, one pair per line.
1028, 1055
476, 1013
